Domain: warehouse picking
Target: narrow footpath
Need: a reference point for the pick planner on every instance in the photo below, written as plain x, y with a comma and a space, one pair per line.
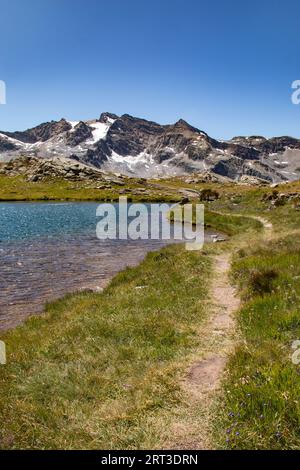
217, 340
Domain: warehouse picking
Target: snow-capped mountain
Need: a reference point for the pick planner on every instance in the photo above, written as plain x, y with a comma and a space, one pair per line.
137, 147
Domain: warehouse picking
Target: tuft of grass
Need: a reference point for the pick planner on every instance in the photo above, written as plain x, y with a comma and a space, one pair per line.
261, 282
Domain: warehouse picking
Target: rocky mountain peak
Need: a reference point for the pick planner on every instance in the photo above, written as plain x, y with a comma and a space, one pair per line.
186, 129
107, 117
42, 132
182, 124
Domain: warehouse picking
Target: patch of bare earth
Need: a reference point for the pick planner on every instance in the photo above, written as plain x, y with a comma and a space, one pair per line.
202, 381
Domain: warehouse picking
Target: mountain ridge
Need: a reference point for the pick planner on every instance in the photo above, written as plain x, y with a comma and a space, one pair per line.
138, 147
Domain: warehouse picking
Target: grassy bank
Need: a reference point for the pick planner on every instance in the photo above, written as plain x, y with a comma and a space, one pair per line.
101, 370
262, 408
17, 188
231, 225
226, 223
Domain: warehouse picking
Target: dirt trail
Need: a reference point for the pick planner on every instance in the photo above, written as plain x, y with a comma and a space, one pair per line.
204, 376
268, 226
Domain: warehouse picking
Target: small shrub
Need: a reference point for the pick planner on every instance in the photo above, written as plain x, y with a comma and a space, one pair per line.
208, 195
261, 282
242, 253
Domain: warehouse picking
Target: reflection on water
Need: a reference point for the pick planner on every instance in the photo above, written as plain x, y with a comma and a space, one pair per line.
47, 250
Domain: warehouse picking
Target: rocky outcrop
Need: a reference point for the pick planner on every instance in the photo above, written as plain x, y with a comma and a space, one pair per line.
79, 134
251, 181
205, 177
276, 199
98, 155
35, 170
6, 145
267, 146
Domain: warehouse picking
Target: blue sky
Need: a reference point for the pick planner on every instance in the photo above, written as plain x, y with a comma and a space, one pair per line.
224, 66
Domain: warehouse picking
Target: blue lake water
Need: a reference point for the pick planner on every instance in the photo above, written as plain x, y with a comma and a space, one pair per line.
25, 221
49, 249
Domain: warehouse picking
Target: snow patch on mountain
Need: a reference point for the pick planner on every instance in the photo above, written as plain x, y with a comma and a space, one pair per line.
100, 131
73, 124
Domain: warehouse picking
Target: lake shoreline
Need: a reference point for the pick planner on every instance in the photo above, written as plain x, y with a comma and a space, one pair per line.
44, 267
96, 286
